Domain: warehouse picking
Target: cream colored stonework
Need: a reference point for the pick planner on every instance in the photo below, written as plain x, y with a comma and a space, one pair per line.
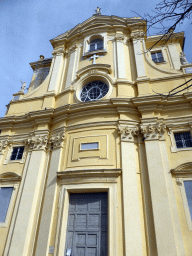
137, 161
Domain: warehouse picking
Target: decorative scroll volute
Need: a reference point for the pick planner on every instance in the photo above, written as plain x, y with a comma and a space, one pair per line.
153, 131
128, 132
57, 140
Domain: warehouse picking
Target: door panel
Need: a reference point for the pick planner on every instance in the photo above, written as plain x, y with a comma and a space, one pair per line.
87, 225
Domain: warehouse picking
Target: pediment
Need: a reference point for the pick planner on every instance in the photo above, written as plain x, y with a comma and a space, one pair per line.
93, 69
183, 168
97, 22
10, 176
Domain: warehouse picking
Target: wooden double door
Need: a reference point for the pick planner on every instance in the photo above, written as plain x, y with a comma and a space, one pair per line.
87, 225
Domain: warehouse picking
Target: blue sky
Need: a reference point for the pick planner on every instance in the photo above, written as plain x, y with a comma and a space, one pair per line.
27, 26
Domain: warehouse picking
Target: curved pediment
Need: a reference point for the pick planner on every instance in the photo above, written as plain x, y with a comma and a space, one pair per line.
183, 168
95, 22
94, 69
10, 176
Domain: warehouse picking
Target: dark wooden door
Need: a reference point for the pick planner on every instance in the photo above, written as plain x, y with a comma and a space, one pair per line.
87, 225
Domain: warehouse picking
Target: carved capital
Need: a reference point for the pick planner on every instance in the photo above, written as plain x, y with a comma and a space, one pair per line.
137, 34
37, 142
120, 38
128, 132
153, 131
179, 181
59, 51
57, 140
3, 145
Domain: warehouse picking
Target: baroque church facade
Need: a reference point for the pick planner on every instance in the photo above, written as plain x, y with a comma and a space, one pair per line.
95, 160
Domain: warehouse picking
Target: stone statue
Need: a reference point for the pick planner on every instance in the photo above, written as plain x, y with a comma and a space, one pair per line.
98, 11
183, 59
23, 86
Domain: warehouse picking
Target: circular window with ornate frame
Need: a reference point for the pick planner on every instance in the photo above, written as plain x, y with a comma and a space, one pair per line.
93, 91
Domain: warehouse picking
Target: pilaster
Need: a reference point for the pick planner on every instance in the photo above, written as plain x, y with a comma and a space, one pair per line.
120, 56
56, 74
29, 206
72, 65
56, 144
137, 38
161, 190
131, 210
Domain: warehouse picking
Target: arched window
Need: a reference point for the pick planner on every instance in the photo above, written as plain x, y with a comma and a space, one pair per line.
96, 44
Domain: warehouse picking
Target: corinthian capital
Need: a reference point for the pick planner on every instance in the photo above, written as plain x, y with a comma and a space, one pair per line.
3, 145
128, 132
37, 142
57, 140
153, 131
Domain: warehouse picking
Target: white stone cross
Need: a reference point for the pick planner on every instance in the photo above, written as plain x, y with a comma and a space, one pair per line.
94, 58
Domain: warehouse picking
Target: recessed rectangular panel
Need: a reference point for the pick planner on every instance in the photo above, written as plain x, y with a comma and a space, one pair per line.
80, 251
93, 220
81, 221
91, 251
92, 239
81, 239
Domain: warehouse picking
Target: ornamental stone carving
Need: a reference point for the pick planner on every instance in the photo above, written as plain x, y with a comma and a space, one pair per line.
128, 132
153, 131
3, 145
57, 140
59, 51
37, 142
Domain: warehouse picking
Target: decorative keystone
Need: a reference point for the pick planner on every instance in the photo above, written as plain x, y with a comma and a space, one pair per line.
128, 132
153, 132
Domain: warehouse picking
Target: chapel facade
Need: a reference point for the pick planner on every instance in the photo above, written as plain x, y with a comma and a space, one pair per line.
96, 158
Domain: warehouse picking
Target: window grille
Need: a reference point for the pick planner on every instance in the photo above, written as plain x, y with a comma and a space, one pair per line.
17, 153
157, 57
96, 44
183, 139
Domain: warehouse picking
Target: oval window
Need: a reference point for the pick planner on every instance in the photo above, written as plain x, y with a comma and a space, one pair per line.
93, 91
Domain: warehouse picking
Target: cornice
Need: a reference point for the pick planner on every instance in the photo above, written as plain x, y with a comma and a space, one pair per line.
84, 126
185, 168
89, 173
9, 177
41, 63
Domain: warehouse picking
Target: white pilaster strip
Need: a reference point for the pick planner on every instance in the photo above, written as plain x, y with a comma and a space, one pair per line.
174, 56
57, 71
70, 69
120, 59
139, 58
115, 58
29, 205
163, 223
173, 205
131, 209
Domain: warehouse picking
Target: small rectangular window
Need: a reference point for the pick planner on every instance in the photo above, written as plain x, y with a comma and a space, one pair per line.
5, 197
89, 146
157, 57
188, 191
183, 139
17, 153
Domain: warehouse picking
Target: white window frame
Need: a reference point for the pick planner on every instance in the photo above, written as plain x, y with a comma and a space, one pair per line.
11, 203
9, 152
171, 132
180, 182
88, 39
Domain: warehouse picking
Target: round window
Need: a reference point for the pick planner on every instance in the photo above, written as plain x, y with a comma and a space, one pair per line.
94, 91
